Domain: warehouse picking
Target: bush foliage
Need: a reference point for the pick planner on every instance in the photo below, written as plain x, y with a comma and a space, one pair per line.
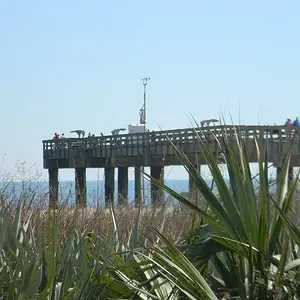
242, 244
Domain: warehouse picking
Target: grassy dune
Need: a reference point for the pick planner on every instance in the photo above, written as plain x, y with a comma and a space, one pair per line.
234, 242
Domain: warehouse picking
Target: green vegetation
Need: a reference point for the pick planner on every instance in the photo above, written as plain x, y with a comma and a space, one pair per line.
240, 243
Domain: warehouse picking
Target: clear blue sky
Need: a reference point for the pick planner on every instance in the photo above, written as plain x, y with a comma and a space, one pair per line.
78, 64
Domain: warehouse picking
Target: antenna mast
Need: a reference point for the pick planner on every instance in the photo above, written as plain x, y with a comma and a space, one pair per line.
143, 120
143, 111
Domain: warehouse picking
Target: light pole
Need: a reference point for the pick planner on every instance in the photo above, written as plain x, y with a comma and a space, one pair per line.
143, 120
143, 111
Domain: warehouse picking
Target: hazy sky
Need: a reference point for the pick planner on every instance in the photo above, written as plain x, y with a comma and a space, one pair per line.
66, 65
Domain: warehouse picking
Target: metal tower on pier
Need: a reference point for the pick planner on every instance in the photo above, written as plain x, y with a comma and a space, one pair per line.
143, 120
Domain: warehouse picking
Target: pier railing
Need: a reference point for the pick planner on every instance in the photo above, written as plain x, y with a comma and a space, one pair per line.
103, 145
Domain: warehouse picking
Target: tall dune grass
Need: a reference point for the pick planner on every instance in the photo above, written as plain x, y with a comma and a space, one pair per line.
240, 243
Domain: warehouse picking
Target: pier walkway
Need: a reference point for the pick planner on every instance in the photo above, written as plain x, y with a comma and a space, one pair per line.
155, 150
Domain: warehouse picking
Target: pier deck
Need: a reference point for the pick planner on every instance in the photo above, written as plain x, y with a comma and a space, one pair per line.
156, 150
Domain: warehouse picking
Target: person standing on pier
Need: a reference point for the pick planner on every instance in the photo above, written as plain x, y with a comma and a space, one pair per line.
296, 122
289, 122
289, 125
56, 136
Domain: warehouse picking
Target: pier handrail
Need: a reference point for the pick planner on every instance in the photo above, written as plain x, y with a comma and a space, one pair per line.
280, 133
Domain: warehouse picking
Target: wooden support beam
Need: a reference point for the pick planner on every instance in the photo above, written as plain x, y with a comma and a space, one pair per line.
109, 186
193, 190
80, 186
157, 193
122, 186
137, 186
53, 188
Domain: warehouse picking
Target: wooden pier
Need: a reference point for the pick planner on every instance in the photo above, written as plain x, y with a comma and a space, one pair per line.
154, 150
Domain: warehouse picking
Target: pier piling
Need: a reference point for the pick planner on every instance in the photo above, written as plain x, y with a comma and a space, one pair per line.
193, 191
137, 186
53, 188
157, 193
80, 186
109, 185
122, 186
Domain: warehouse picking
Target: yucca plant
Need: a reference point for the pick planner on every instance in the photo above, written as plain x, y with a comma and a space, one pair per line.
38, 266
246, 247
153, 268
35, 264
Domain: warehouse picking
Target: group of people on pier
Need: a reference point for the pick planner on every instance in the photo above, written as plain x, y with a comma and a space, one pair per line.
57, 136
289, 122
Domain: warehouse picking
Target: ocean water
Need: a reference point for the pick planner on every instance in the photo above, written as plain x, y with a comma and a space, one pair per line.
95, 190
38, 190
